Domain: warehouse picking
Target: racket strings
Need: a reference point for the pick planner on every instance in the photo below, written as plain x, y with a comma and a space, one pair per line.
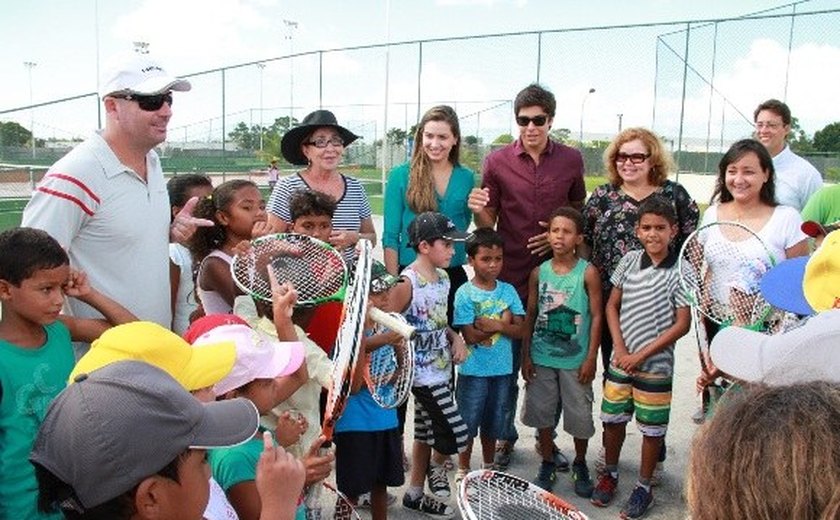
503, 497
315, 271
722, 277
390, 373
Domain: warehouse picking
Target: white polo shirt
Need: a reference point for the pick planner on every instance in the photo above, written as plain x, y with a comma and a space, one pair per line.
796, 179
114, 226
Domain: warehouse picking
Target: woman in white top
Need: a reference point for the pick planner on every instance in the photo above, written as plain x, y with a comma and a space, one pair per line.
745, 193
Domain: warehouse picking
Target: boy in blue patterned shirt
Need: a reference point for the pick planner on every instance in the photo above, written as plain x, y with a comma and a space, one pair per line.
489, 314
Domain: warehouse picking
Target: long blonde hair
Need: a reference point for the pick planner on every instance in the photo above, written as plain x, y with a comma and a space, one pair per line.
420, 194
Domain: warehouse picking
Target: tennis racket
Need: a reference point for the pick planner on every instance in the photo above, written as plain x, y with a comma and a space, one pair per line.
330, 504
346, 353
315, 269
493, 495
720, 267
814, 229
390, 369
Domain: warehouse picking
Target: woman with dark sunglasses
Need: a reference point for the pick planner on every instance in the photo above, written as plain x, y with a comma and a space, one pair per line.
637, 165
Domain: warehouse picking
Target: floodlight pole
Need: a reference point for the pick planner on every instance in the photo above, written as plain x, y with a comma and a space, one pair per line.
291, 25
29, 66
582, 105
261, 67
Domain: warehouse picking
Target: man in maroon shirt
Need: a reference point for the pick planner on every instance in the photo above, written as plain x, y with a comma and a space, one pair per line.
522, 184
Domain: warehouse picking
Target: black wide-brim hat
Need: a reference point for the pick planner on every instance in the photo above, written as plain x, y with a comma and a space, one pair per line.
290, 145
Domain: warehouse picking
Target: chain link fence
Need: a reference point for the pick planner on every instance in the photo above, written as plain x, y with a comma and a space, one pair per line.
695, 83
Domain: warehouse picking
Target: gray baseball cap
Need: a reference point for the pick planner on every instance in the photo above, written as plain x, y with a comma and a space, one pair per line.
116, 426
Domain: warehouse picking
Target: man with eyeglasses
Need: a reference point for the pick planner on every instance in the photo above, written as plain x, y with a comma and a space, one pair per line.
796, 178
106, 200
522, 184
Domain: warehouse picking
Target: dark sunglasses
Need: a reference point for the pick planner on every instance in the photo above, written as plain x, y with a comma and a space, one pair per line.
635, 158
149, 103
525, 120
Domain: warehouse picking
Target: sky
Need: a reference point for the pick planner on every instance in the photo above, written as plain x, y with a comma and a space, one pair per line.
69, 40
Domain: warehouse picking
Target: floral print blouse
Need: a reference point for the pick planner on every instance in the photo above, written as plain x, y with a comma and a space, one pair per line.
610, 220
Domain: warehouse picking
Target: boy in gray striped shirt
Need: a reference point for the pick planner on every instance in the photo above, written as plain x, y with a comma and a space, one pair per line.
647, 312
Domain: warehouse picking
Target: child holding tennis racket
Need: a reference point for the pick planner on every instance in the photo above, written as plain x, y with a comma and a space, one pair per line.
647, 312
560, 348
437, 422
368, 445
489, 314
238, 211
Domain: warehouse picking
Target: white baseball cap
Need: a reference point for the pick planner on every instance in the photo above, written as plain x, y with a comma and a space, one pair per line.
809, 352
139, 74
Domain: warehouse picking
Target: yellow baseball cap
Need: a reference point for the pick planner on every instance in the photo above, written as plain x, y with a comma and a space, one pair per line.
821, 282
193, 368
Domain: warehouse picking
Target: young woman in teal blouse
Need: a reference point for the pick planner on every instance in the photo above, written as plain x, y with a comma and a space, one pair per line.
432, 181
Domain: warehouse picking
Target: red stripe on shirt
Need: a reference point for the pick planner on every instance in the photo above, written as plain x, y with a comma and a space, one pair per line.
77, 182
67, 197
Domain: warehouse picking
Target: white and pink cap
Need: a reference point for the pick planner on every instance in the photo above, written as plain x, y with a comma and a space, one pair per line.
257, 356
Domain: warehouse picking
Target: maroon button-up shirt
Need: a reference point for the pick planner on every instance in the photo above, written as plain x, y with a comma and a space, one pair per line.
523, 194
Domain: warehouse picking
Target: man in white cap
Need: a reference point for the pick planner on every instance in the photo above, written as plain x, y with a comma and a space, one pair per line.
106, 201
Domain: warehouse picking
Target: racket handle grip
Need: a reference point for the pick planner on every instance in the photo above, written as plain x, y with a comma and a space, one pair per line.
386, 320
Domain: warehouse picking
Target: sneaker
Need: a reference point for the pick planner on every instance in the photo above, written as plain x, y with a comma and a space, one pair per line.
560, 460
604, 490
658, 474
363, 501
638, 503
546, 475
504, 450
428, 505
583, 482
438, 481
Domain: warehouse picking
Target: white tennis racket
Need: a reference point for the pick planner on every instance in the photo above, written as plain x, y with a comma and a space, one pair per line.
390, 369
315, 269
720, 266
494, 495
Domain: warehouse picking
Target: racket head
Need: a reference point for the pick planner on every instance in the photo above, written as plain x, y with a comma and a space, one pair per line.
346, 352
720, 267
315, 269
389, 373
495, 495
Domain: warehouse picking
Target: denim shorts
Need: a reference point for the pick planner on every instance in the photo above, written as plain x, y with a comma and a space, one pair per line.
483, 402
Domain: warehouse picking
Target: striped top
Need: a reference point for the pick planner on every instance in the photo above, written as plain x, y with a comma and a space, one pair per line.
351, 210
650, 296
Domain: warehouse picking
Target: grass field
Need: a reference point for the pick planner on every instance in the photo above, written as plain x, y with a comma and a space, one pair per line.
12, 208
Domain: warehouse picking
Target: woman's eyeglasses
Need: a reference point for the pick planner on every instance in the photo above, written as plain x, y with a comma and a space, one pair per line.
634, 158
525, 120
322, 142
149, 103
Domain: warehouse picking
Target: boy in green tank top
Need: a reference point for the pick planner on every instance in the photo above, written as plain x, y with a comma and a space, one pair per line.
560, 347
36, 351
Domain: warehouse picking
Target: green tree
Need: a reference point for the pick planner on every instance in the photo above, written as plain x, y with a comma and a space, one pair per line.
798, 139
503, 139
13, 134
396, 136
561, 135
246, 138
828, 139
471, 140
